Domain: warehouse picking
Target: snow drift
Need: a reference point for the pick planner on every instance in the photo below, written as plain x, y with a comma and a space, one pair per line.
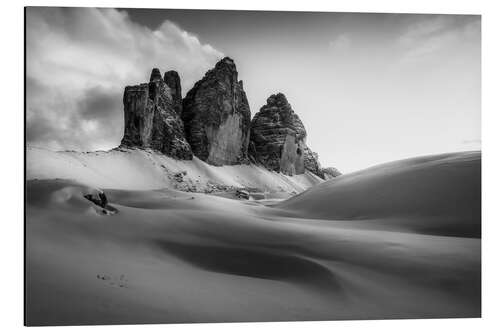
439, 194
352, 248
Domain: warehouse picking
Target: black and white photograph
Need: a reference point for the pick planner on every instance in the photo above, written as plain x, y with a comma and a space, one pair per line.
215, 166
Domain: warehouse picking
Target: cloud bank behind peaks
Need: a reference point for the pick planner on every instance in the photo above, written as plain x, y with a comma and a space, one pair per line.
78, 61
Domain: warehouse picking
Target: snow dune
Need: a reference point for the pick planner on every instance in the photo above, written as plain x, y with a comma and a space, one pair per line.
438, 194
351, 248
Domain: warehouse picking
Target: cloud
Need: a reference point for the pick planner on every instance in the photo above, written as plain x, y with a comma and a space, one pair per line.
78, 62
427, 37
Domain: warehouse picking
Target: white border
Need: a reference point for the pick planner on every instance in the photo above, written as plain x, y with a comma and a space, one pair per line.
11, 147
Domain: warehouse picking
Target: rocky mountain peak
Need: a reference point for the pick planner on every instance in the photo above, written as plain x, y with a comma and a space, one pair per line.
151, 120
216, 116
155, 75
173, 81
278, 100
226, 62
278, 139
213, 122
281, 114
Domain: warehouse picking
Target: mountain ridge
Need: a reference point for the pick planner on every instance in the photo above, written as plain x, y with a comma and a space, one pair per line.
213, 122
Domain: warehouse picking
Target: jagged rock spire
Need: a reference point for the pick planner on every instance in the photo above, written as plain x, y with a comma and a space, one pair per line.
213, 122
173, 81
278, 139
216, 116
151, 120
155, 75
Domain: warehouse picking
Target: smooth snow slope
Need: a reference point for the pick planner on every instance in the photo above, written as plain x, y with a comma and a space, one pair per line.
168, 257
137, 169
438, 194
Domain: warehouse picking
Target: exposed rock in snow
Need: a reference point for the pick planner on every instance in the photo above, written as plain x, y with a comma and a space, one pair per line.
278, 139
216, 116
152, 120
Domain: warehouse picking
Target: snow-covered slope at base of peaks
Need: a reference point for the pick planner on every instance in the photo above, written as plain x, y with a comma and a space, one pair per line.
138, 169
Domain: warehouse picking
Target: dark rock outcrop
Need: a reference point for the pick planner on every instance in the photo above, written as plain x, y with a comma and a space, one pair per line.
278, 139
98, 198
151, 120
173, 81
217, 117
155, 75
311, 162
330, 173
213, 122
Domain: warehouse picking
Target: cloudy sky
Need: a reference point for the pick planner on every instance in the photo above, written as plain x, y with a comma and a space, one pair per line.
370, 88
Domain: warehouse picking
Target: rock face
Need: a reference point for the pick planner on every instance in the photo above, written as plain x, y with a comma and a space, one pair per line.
217, 117
151, 120
311, 162
98, 197
213, 122
330, 173
278, 139
173, 81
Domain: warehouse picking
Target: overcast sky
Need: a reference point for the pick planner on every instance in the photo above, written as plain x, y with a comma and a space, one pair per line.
369, 88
